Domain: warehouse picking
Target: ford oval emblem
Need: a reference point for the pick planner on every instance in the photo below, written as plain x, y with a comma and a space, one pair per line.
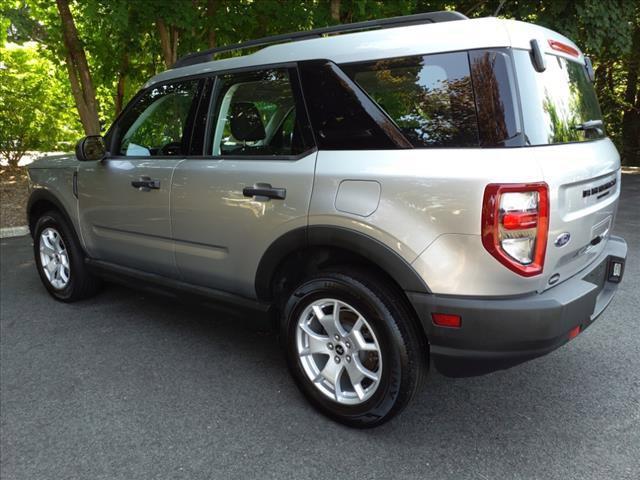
562, 239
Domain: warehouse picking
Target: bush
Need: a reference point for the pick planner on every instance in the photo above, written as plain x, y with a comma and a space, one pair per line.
36, 107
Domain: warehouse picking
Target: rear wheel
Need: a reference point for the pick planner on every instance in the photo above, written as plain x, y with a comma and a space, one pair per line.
60, 260
352, 347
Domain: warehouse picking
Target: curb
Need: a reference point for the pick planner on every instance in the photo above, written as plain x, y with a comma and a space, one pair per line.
14, 231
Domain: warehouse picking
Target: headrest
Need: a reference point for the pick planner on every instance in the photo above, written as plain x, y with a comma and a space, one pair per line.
246, 124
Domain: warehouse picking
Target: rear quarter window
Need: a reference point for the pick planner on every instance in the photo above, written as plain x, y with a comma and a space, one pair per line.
429, 98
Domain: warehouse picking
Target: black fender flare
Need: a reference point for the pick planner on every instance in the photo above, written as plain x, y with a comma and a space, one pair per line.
356, 242
41, 194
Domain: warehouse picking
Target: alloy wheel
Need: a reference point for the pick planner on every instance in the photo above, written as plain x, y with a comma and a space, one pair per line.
339, 351
54, 258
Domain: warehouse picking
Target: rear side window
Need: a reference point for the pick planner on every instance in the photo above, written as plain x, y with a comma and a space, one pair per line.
257, 114
429, 98
559, 105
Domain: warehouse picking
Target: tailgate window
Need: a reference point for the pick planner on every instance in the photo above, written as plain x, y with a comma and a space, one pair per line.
559, 105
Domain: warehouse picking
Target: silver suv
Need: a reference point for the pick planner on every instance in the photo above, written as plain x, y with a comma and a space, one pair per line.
398, 191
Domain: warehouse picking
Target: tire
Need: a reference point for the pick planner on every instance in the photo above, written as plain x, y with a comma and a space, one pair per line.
378, 334
65, 276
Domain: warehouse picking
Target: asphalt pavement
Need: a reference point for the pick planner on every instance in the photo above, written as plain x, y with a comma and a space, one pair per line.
130, 385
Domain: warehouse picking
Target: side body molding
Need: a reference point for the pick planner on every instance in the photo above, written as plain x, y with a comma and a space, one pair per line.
337, 237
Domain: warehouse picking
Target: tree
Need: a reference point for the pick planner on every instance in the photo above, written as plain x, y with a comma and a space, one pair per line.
79, 74
109, 48
631, 115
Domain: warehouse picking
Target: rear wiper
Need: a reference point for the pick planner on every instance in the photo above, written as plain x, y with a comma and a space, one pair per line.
591, 125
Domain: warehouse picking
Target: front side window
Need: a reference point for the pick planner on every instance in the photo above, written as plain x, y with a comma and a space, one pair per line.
256, 114
157, 123
430, 98
559, 105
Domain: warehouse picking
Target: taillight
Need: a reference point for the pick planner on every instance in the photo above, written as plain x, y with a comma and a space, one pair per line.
515, 225
564, 48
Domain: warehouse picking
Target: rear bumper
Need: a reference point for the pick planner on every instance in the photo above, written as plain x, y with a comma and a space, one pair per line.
499, 333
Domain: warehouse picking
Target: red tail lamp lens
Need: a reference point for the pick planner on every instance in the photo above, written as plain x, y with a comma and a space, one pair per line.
515, 225
574, 332
446, 320
519, 220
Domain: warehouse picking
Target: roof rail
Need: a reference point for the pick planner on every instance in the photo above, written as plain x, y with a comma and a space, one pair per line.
417, 19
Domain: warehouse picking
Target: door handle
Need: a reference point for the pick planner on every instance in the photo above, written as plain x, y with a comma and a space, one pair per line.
264, 190
145, 184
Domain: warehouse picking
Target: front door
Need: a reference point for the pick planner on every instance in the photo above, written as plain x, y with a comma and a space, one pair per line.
252, 186
125, 199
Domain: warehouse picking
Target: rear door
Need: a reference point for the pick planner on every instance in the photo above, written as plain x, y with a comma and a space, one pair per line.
563, 124
124, 199
252, 185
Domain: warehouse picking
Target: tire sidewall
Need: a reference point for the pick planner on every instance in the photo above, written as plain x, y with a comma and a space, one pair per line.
54, 220
394, 355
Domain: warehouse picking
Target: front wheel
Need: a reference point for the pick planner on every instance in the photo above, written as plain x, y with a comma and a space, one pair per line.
352, 347
60, 260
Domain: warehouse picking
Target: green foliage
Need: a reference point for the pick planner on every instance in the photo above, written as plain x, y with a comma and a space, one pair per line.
36, 108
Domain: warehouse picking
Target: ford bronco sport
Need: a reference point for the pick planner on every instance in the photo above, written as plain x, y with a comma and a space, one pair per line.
419, 188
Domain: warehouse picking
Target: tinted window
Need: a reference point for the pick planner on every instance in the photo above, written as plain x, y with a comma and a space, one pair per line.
157, 123
342, 115
494, 88
430, 98
556, 103
257, 115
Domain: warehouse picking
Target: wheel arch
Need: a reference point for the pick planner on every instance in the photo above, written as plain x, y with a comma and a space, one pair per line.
320, 241
42, 200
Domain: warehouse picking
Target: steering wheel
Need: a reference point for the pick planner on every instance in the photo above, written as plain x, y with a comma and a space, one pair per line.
171, 149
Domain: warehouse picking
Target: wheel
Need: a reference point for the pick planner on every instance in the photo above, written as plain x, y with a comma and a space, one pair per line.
353, 347
60, 260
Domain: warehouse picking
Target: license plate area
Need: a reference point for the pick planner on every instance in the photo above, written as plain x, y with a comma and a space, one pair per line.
615, 269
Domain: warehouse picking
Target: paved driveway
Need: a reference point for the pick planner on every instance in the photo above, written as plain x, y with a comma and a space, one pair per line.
130, 385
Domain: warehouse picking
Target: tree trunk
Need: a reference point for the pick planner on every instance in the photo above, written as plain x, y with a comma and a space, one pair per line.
212, 9
79, 74
335, 10
631, 116
169, 37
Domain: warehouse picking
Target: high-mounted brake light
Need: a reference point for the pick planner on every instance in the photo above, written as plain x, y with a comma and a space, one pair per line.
564, 48
515, 225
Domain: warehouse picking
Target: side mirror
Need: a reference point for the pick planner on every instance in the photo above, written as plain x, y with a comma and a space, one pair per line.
91, 148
